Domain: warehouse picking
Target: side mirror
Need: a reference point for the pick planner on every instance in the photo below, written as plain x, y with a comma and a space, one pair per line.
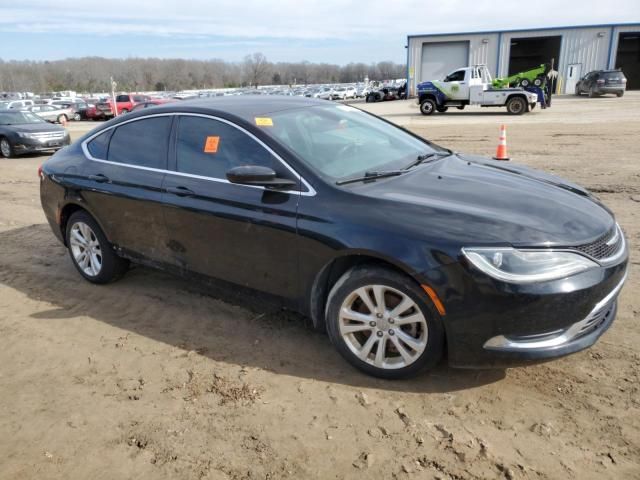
258, 175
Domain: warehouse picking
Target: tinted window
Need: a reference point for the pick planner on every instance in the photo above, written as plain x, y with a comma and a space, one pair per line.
143, 142
210, 148
99, 146
455, 76
122, 98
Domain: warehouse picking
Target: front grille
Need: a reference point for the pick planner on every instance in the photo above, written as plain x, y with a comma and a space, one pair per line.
596, 320
48, 135
604, 247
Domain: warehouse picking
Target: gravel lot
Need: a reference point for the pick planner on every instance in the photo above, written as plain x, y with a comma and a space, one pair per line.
155, 377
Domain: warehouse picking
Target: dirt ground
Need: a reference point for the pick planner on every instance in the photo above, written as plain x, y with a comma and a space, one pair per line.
154, 377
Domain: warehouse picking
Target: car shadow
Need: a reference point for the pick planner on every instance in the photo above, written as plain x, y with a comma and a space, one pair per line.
211, 320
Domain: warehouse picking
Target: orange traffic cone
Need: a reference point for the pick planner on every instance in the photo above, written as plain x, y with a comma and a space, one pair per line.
501, 154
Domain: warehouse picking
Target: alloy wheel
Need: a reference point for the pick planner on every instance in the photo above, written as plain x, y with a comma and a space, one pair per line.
383, 326
85, 248
5, 148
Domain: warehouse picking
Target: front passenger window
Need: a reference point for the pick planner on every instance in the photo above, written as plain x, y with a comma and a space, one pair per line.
210, 148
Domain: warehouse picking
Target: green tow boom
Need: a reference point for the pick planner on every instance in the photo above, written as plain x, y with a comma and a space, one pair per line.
536, 76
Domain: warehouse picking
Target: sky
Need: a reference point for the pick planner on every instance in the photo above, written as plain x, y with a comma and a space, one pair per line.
284, 30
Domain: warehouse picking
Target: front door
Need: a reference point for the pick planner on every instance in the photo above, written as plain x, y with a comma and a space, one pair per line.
573, 76
455, 86
238, 233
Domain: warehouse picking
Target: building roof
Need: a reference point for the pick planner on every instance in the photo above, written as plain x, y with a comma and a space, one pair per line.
538, 29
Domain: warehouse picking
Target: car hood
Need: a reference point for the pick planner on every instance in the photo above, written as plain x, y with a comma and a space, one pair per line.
472, 200
36, 127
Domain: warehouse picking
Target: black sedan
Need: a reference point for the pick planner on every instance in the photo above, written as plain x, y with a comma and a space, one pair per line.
393, 245
23, 132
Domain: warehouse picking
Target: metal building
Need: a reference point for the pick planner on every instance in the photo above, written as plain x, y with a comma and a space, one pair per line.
576, 50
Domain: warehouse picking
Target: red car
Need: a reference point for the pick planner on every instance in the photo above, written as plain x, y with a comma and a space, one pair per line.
124, 104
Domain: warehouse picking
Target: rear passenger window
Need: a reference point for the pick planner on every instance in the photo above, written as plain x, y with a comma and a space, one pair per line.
99, 145
210, 148
142, 143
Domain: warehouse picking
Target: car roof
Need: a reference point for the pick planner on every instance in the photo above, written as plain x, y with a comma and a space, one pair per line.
245, 107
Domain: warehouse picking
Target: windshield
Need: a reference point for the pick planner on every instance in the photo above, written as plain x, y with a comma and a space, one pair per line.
19, 118
339, 142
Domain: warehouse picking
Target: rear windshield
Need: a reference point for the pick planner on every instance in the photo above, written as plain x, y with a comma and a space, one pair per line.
612, 75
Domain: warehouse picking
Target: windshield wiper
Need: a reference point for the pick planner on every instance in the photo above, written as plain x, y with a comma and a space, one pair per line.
373, 175
427, 157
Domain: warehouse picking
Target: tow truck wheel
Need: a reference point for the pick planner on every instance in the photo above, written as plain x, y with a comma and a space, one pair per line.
442, 109
460, 107
537, 82
427, 107
516, 106
525, 82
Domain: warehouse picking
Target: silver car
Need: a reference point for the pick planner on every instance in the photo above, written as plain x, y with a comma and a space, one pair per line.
52, 113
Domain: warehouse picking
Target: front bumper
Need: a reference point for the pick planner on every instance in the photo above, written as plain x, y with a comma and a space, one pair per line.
490, 323
29, 145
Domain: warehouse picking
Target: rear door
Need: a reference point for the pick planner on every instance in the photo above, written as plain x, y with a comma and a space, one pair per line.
238, 233
124, 180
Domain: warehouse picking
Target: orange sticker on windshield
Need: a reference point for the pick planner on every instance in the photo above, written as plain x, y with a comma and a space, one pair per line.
264, 122
211, 145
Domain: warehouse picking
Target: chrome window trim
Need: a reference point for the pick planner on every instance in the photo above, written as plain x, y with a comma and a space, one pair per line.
310, 193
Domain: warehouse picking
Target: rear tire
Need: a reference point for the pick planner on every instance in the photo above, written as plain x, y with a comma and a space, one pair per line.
592, 93
6, 149
577, 92
427, 107
619, 94
516, 106
91, 252
77, 117
373, 307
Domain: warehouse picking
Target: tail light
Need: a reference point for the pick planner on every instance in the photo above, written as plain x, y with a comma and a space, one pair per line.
624, 80
600, 81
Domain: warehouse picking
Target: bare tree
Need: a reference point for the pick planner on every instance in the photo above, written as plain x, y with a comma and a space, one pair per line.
256, 68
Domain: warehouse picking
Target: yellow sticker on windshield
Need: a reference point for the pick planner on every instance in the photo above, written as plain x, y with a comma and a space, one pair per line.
264, 122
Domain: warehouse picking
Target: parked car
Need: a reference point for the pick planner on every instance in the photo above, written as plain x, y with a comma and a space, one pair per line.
393, 245
383, 94
324, 93
601, 82
78, 108
15, 104
152, 103
124, 104
23, 132
52, 113
339, 93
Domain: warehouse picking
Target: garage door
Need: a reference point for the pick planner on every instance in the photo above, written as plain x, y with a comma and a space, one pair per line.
441, 58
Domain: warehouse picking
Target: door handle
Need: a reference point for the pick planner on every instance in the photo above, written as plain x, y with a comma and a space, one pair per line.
462, 83
100, 178
181, 191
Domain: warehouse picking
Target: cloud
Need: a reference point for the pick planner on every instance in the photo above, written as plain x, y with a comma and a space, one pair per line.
351, 29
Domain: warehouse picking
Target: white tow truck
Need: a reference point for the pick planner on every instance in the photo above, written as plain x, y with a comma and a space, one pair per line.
472, 86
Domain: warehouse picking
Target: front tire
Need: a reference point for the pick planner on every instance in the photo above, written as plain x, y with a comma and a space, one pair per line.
77, 117
427, 107
382, 323
592, 93
91, 252
6, 149
516, 106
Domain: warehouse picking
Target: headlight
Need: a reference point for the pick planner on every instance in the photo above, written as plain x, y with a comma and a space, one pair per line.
24, 135
527, 266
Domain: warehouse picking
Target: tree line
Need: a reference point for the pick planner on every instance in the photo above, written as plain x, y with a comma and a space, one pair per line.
92, 74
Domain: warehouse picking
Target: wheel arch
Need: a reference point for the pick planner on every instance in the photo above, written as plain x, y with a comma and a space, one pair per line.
334, 269
69, 209
426, 96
